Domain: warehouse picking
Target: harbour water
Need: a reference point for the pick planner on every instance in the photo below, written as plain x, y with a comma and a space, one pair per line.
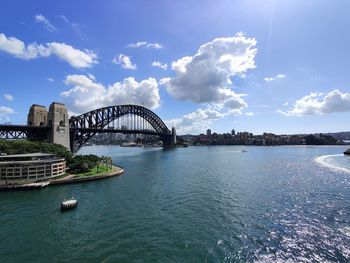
195, 204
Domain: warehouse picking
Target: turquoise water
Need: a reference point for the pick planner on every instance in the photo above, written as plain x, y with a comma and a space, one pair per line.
195, 204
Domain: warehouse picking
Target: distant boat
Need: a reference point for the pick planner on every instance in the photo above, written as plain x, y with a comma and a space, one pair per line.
244, 151
131, 144
69, 204
347, 152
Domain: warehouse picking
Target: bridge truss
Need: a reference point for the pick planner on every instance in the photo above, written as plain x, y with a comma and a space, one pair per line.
130, 119
127, 119
23, 131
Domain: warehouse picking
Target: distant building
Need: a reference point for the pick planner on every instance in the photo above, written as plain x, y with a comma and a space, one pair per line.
209, 132
233, 132
32, 167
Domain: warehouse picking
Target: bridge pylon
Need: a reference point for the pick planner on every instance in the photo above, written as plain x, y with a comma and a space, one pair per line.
58, 122
169, 140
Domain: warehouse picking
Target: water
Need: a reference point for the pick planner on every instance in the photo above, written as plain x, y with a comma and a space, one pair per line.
195, 204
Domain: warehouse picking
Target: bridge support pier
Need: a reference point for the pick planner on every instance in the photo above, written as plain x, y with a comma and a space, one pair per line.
169, 140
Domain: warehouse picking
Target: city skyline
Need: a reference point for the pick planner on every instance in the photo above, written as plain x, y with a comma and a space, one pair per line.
278, 67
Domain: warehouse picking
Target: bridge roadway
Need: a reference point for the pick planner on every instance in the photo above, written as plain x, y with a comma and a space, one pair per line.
109, 130
10, 129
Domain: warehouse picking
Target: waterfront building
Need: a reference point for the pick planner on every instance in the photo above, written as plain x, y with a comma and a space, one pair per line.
31, 167
209, 132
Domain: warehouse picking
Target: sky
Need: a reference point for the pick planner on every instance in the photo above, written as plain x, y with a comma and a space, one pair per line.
252, 65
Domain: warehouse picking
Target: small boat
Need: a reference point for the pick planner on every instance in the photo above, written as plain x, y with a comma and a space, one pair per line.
347, 152
131, 144
244, 151
69, 204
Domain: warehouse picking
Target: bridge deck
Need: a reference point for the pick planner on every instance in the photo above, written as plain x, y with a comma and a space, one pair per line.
11, 127
125, 131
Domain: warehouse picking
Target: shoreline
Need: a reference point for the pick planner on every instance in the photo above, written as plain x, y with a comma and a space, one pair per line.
116, 171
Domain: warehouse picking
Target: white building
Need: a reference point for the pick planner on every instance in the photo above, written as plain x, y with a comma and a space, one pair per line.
22, 168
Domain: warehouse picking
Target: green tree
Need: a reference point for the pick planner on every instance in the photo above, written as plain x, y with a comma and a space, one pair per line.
84, 167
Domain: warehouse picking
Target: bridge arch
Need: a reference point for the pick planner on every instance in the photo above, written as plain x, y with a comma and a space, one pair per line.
86, 125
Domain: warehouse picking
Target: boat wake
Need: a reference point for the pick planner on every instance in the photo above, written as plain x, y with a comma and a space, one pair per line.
325, 160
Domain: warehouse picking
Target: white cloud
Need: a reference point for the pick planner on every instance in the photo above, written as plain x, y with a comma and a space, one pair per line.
279, 76
137, 44
64, 18
159, 65
319, 103
76, 27
154, 45
250, 114
43, 20
286, 103
8, 97
195, 122
6, 111
124, 61
145, 44
92, 77
200, 120
86, 94
17, 48
75, 57
50, 79
206, 76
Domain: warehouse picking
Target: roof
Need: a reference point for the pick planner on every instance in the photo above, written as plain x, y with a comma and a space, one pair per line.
26, 155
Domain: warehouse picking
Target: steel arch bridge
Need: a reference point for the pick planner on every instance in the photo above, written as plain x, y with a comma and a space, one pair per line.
131, 119
139, 120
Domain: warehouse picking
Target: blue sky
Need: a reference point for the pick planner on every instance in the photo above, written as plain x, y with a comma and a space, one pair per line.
274, 66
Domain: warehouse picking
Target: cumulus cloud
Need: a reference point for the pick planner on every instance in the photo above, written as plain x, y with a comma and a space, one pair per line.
75, 57
45, 22
279, 76
195, 122
200, 120
250, 114
8, 97
86, 94
50, 79
206, 76
159, 65
146, 45
320, 103
124, 61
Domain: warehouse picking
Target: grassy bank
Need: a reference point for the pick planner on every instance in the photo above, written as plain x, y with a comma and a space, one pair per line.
101, 169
